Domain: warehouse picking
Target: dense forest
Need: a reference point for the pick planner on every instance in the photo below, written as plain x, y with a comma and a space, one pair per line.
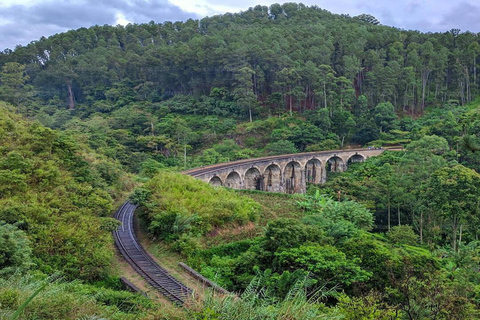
95, 115
176, 88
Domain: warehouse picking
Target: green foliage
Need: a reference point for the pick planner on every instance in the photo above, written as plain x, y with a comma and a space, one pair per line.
402, 235
374, 256
151, 96
15, 250
367, 307
337, 219
432, 295
140, 196
221, 270
56, 198
47, 299
178, 203
454, 192
432, 144
326, 262
281, 147
287, 233
385, 116
255, 303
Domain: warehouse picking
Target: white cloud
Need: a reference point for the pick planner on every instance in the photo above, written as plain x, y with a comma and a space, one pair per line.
9, 3
204, 7
120, 19
22, 21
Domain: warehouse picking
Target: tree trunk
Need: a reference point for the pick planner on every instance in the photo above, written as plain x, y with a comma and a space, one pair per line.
398, 214
307, 90
474, 71
250, 111
454, 235
388, 210
460, 237
71, 97
290, 100
413, 98
185, 155
421, 227
325, 95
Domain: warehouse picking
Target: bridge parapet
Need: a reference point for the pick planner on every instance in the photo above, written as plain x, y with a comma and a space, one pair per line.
285, 173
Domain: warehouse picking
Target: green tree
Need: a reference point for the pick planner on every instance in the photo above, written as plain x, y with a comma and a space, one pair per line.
281, 147
326, 262
402, 235
385, 183
454, 193
474, 51
385, 116
243, 91
326, 78
12, 79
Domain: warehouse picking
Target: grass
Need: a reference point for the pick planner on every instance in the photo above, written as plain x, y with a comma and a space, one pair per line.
274, 205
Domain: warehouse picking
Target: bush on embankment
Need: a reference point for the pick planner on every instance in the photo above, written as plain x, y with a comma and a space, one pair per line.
172, 204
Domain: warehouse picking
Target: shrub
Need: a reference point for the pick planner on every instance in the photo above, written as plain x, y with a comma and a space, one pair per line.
402, 235
15, 252
179, 204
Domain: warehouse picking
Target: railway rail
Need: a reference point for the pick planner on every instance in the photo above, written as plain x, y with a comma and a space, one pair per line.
142, 262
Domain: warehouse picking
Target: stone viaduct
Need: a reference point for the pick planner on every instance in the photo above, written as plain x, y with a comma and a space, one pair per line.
285, 173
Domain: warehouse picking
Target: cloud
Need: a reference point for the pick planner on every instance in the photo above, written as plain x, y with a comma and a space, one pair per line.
28, 22
463, 16
22, 21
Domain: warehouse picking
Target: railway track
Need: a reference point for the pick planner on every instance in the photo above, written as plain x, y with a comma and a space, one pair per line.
142, 262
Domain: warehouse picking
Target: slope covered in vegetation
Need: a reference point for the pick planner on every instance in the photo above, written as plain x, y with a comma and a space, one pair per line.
61, 201
324, 262
177, 93
56, 198
401, 240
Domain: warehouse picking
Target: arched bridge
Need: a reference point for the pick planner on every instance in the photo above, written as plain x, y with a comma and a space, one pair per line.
285, 173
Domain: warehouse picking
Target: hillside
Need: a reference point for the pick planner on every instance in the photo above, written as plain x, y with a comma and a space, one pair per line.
56, 198
174, 92
95, 115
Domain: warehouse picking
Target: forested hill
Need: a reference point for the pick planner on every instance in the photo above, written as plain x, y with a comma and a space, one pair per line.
349, 77
305, 55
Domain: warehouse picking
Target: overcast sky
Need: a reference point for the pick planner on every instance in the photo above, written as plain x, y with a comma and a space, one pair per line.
22, 21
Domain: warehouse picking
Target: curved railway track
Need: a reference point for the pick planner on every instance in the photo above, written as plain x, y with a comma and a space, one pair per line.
142, 262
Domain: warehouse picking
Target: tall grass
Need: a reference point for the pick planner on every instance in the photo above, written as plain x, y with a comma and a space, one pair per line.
30, 297
204, 207
257, 304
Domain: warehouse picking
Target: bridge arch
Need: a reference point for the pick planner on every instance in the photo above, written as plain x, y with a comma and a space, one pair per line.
293, 177
335, 164
233, 180
216, 181
313, 171
272, 178
276, 171
355, 159
254, 179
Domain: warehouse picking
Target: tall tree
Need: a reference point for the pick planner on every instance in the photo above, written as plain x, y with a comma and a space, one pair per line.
454, 192
243, 91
